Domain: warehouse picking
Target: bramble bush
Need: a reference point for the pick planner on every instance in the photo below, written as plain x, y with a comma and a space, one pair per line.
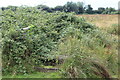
51, 34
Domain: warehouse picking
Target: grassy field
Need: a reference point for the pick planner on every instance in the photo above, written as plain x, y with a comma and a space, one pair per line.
102, 21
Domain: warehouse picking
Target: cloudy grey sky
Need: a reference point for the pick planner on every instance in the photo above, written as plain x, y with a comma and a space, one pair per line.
52, 3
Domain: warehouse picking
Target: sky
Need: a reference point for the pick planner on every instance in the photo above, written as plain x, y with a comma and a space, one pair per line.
52, 3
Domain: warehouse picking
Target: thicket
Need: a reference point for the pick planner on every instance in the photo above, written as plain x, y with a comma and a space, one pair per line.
29, 35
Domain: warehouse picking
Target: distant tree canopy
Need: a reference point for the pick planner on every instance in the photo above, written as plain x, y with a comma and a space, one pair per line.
44, 7
101, 10
58, 8
78, 8
13, 8
71, 7
109, 10
89, 9
74, 7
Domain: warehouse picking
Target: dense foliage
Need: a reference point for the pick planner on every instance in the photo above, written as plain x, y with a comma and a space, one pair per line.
29, 35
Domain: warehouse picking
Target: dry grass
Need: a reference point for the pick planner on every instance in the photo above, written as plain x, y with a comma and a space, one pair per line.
102, 21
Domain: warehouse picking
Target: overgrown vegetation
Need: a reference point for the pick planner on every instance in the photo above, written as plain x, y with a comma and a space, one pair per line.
30, 35
114, 29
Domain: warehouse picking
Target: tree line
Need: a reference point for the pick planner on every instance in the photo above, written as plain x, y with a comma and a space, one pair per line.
76, 7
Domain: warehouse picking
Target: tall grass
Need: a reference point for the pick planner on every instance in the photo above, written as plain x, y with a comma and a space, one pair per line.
114, 29
82, 57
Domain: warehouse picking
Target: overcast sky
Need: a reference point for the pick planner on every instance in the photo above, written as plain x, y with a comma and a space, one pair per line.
52, 3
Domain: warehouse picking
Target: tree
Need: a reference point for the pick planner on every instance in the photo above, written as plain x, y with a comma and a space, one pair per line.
44, 8
109, 10
58, 8
13, 8
89, 9
80, 7
71, 7
96, 12
3, 8
101, 10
